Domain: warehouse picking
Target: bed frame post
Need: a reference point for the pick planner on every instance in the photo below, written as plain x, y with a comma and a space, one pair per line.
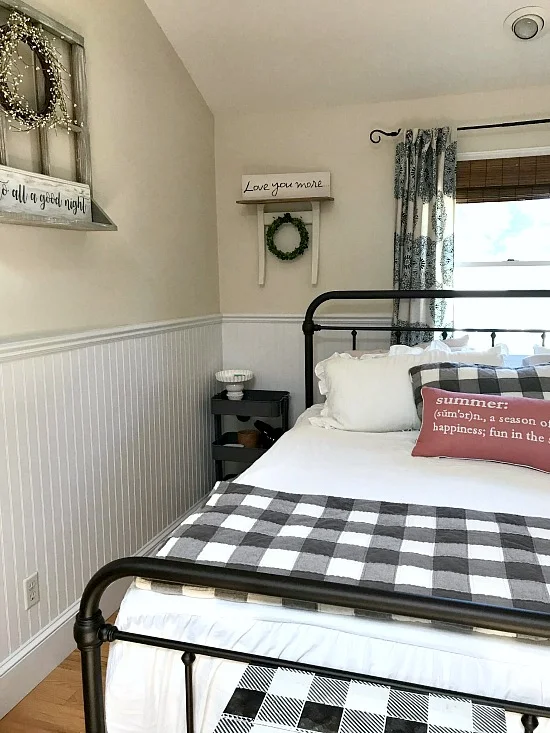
89, 641
188, 658
308, 328
529, 722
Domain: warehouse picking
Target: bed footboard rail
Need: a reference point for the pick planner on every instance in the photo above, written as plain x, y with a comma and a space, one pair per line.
91, 631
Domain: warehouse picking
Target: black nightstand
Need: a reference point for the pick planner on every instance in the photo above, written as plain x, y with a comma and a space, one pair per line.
255, 403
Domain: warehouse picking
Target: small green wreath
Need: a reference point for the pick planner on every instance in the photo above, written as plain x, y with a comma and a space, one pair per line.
274, 227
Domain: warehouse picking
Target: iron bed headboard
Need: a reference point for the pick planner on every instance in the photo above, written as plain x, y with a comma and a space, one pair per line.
310, 326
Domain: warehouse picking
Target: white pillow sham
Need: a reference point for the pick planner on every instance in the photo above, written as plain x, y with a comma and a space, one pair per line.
479, 356
455, 344
537, 359
538, 350
345, 355
374, 394
371, 395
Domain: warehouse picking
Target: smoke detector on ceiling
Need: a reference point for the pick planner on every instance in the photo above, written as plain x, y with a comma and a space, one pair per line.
527, 23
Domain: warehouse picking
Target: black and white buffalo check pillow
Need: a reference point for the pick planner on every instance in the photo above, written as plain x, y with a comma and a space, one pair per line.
529, 381
268, 700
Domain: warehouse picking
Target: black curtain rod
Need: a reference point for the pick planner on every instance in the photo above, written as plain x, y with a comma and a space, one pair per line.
376, 135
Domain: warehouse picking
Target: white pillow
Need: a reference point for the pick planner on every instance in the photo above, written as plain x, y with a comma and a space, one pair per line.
371, 395
377, 353
492, 356
541, 350
495, 356
346, 355
537, 359
399, 349
455, 344
374, 394
420, 348
373, 352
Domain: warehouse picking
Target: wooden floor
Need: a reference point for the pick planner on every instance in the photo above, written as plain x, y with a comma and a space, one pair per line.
55, 705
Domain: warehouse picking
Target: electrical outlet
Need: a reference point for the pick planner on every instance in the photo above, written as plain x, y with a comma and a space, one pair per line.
31, 591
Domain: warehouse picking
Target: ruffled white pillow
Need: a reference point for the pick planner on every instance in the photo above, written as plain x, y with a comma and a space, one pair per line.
370, 394
320, 368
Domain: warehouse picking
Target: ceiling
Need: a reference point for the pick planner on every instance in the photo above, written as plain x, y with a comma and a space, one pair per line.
261, 55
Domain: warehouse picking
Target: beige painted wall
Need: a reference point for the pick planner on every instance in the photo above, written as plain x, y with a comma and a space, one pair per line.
357, 229
153, 167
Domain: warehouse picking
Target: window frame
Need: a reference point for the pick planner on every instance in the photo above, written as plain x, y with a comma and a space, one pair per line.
490, 155
77, 70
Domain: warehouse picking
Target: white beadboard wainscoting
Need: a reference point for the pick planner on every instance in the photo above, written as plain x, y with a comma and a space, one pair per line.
273, 347
106, 441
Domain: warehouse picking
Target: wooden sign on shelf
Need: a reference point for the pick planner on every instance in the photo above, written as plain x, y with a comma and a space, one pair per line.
276, 186
33, 194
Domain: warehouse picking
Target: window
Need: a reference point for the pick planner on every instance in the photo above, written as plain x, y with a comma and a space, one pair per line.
502, 242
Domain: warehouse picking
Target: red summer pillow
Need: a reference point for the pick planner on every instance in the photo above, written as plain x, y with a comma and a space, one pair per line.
485, 427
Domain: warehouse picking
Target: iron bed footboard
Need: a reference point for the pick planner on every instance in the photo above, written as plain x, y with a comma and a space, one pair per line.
91, 631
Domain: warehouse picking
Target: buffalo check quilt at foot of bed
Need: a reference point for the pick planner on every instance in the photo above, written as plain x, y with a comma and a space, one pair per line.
268, 700
485, 557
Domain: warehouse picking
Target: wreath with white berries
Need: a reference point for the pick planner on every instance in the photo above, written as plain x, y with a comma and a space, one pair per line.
53, 110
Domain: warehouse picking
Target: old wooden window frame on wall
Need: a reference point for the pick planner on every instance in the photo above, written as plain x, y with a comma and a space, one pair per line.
54, 66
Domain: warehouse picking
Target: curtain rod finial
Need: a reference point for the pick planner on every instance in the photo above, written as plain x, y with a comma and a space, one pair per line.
376, 135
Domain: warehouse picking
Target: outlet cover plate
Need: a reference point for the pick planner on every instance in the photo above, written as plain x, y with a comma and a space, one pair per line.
31, 591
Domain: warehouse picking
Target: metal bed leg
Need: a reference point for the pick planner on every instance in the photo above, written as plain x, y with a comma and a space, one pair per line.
188, 658
86, 634
529, 722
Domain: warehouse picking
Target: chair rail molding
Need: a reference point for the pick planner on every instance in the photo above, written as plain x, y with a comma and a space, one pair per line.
19, 347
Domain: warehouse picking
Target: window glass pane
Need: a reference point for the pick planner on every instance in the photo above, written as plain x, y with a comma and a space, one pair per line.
503, 230
503, 312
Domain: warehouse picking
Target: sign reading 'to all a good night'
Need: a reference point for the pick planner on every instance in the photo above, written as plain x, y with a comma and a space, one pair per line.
285, 186
36, 195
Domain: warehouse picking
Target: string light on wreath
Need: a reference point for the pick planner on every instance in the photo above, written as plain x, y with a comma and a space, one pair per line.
53, 111
274, 227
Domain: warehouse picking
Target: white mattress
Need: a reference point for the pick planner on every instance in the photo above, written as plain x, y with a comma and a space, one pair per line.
145, 690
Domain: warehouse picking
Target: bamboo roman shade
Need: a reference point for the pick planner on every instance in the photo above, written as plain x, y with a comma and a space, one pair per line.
503, 179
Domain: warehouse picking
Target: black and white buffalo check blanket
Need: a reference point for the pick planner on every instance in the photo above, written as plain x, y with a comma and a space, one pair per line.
285, 700
496, 558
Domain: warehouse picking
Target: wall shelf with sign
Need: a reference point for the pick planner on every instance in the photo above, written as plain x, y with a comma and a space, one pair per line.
100, 221
33, 199
287, 188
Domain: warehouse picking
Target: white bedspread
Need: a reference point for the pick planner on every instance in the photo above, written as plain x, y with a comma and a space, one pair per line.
145, 690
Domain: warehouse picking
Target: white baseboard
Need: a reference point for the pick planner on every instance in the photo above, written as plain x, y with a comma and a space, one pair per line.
23, 671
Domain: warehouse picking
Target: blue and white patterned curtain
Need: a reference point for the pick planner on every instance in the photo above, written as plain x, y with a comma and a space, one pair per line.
425, 186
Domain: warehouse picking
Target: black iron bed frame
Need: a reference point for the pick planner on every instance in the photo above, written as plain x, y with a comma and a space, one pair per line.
91, 630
